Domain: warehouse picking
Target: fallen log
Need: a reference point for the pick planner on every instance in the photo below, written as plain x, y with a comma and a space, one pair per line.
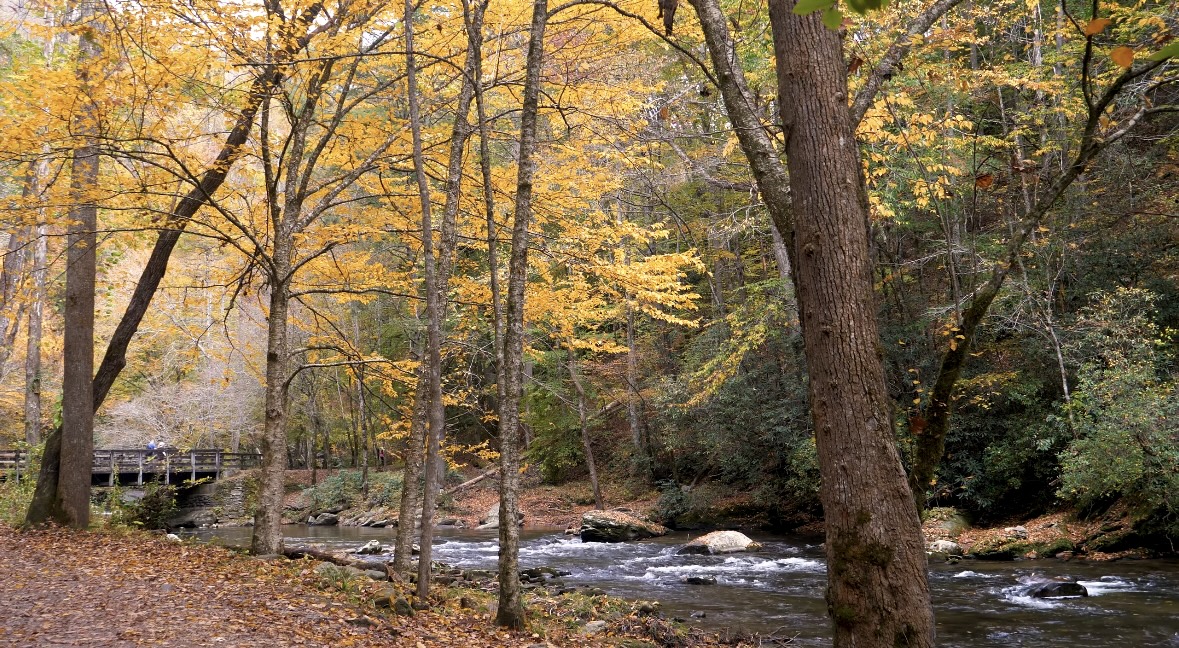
470, 482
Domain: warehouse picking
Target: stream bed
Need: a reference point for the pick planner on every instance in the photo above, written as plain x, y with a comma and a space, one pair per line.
780, 589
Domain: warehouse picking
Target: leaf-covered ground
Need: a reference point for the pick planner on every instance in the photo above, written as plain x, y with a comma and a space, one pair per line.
69, 588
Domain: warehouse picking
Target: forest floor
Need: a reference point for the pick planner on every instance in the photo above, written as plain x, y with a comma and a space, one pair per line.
110, 588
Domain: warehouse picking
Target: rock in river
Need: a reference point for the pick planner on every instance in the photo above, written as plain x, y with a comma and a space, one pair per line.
1056, 589
370, 548
324, 519
720, 542
613, 526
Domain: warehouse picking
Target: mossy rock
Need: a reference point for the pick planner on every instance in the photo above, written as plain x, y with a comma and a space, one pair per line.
949, 519
1000, 549
1056, 546
1118, 539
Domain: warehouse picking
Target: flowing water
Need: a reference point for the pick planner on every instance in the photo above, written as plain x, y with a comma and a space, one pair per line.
780, 589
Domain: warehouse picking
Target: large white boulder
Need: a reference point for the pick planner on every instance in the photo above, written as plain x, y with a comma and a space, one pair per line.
720, 542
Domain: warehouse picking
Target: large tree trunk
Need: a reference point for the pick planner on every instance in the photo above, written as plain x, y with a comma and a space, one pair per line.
267, 536
877, 593
510, 612
70, 503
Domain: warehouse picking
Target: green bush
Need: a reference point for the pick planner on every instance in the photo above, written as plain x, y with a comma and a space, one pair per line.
150, 512
1125, 418
384, 488
338, 490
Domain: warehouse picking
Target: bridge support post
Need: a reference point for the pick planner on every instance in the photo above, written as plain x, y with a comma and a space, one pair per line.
139, 481
192, 462
217, 462
111, 479
167, 469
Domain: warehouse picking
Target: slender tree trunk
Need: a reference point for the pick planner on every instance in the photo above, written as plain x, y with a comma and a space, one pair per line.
411, 486
433, 357
877, 592
510, 612
33, 349
12, 274
316, 426
267, 536
438, 268
362, 404
642, 465
582, 419
474, 18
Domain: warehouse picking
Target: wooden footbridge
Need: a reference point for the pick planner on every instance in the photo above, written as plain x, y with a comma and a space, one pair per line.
129, 467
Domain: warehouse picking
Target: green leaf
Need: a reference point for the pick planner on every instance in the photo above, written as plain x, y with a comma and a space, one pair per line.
1170, 51
864, 6
832, 18
807, 7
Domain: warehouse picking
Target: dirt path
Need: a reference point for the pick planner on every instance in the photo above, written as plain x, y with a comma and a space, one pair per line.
60, 588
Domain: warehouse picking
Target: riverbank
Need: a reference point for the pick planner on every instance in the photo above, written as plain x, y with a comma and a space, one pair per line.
75, 589
1058, 535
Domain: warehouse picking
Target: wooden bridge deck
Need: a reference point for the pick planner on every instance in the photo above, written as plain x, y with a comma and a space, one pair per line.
131, 466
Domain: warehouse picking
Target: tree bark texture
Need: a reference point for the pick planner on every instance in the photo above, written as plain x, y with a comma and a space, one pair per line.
877, 593
510, 612
69, 502
267, 534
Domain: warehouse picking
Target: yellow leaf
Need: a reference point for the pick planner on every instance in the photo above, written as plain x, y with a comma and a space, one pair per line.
1123, 56
1096, 26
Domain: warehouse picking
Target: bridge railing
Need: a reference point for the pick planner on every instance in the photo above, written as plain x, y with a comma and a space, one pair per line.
13, 459
138, 461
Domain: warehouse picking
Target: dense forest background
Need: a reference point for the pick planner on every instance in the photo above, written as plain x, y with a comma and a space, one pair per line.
660, 323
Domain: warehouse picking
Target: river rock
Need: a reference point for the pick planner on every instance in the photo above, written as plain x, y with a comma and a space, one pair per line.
191, 518
1018, 532
324, 519
337, 572
720, 542
491, 520
594, 627
1056, 589
613, 526
699, 580
947, 547
998, 548
371, 547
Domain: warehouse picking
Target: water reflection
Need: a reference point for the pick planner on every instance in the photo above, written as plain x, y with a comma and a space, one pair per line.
978, 604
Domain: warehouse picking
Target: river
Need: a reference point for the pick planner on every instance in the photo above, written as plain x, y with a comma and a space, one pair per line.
780, 589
